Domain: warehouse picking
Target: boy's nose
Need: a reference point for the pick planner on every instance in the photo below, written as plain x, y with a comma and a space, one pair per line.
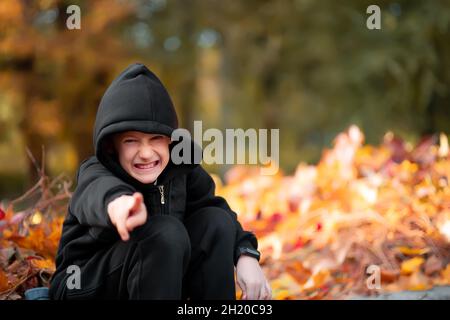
146, 153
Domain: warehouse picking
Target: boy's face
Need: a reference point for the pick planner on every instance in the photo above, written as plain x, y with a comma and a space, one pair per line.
144, 156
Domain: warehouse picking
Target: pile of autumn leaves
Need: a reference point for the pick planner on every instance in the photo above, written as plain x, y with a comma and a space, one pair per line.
364, 220
29, 238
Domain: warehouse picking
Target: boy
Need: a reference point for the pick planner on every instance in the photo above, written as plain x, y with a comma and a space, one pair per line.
140, 226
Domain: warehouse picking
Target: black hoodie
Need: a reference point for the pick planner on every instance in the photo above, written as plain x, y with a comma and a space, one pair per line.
136, 100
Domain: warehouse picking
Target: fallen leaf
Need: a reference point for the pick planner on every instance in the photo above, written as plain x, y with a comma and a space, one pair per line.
389, 275
43, 264
413, 251
411, 266
4, 283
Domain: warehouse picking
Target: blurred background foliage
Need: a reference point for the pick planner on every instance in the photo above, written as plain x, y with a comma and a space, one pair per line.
310, 68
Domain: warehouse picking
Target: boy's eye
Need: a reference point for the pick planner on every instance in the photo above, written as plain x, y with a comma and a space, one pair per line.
129, 140
157, 137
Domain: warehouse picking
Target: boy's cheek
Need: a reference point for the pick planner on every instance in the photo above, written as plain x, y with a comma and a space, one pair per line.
165, 165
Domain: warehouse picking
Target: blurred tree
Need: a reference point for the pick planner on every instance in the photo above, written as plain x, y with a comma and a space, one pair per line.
310, 68
60, 73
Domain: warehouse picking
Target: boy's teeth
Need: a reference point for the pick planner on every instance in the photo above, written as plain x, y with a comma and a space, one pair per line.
147, 166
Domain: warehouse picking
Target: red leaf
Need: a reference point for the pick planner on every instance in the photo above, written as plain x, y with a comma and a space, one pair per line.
299, 244
276, 217
318, 226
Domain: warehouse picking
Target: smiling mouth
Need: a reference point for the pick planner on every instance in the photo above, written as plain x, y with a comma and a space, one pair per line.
146, 166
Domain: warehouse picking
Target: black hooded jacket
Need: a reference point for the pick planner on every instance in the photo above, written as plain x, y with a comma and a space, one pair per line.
136, 100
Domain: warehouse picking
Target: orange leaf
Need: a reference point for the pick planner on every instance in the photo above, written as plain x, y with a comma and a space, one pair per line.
4, 284
43, 264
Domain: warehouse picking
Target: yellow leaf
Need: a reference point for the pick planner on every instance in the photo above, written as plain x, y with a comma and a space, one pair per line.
36, 218
411, 265
419, 287
446, 274
413, 251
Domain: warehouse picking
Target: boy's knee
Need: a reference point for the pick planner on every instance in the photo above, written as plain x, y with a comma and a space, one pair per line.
164, 232
215, 219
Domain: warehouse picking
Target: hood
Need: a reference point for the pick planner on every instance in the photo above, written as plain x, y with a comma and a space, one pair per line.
137, 100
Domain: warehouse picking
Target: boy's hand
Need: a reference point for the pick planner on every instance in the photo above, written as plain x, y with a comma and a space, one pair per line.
251, 279
127, 213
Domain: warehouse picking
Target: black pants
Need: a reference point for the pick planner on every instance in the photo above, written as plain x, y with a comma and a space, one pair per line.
166, 259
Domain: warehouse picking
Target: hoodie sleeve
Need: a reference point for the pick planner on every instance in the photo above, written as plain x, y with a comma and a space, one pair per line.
201, 193
96, 187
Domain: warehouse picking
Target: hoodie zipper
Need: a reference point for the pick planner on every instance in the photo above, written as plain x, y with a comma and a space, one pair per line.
163, 201
161, 191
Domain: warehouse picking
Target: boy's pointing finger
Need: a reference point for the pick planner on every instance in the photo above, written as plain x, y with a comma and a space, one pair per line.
136, 220
138, 198
122, 229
